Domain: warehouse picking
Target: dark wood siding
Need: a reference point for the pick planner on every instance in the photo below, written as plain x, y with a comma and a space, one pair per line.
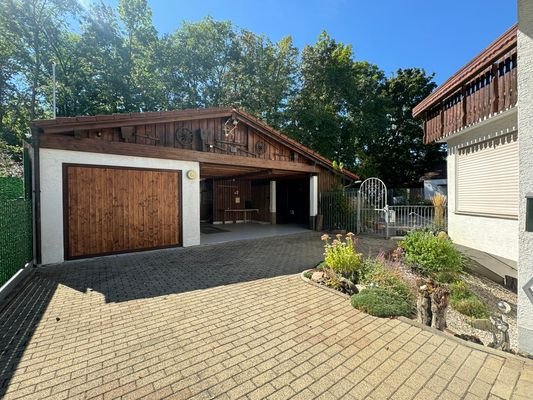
111, 210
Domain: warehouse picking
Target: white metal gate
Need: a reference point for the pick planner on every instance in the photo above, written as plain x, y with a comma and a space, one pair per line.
372, 210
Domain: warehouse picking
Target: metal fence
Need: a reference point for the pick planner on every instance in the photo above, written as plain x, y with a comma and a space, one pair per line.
402, 219
339, 212
16, 247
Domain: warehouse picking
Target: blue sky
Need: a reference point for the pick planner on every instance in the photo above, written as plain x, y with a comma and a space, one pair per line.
438, 35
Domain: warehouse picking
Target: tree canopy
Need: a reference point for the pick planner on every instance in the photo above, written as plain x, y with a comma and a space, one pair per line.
114, 60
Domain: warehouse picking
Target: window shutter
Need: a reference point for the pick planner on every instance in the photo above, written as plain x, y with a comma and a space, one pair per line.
487, 177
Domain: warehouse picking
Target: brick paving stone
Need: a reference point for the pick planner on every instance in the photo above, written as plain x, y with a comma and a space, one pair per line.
227, 321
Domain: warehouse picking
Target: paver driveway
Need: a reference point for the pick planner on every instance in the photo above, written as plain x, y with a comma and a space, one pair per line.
226, 321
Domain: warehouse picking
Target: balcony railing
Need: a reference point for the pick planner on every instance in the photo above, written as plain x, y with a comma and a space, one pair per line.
484, 87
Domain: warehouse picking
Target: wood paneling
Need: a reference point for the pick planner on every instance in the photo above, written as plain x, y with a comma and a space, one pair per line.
112, 210
226, 193
141, 150
261, 200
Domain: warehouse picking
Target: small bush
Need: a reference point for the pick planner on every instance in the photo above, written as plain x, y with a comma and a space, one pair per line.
308, 274
375, 270
341, 256
381, 303
391, 280
432, 255
466, 302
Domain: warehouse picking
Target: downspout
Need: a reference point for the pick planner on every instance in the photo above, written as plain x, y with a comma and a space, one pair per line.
36, 197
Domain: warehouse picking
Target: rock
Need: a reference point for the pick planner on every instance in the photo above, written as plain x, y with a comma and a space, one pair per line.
347, 286
482, 324
319, 276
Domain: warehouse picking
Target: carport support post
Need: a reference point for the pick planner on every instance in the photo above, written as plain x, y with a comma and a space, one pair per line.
273, 202
313, 201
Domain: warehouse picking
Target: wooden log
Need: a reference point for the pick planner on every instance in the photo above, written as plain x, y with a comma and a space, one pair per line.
423, 303
439, 305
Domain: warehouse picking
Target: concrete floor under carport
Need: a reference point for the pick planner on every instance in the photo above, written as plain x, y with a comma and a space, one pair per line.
223, 233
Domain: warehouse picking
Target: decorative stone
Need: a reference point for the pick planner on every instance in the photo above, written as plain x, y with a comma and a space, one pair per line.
319, 276
347, 286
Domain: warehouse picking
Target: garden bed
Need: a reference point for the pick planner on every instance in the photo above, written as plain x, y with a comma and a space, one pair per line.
387, 287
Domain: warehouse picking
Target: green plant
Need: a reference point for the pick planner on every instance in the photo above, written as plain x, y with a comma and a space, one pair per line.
391, 280
464, 301
308, 274
341, 256
382, 303
432, 255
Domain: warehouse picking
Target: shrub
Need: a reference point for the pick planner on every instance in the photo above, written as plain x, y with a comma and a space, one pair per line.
432, 255
341, 256
466, 302
390, 280
381, 303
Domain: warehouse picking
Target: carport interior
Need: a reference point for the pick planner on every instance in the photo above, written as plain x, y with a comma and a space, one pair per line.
231, 194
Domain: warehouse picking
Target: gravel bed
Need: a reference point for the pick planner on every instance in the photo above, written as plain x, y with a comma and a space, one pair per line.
490, 293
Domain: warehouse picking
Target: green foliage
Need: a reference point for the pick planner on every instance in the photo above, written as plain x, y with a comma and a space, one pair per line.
382, 303
466, 302
432, 256
308, 275
15, 236
388, 279
342, 257
11, 188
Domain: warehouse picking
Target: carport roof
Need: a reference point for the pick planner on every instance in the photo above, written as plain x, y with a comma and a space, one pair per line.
69, 124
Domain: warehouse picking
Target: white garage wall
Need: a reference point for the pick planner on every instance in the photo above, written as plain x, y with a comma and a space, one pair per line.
51, 174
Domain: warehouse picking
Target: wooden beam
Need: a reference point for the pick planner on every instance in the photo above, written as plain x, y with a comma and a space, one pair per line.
143, 150
86, 123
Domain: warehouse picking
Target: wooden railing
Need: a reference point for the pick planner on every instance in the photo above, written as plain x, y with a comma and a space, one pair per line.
484, 87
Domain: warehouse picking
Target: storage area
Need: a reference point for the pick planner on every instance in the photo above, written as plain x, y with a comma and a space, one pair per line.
114, 209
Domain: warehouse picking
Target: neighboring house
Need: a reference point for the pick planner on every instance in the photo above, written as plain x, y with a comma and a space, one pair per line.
128, 182
475, 114
435, 182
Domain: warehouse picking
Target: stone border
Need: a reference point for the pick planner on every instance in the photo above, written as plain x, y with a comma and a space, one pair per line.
474, 346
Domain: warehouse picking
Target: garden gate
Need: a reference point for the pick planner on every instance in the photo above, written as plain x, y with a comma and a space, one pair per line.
372, 210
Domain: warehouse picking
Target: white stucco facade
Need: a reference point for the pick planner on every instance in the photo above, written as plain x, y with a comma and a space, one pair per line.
493, 234
525, 127
51, 181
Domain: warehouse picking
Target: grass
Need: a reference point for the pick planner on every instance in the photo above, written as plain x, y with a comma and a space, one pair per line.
467, 303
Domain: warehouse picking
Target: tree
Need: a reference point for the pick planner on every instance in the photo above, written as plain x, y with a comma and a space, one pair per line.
400, 144
143, 90
338, 102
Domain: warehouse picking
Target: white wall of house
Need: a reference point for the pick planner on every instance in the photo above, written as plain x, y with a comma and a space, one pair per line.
525, 124
492, 233
51, 174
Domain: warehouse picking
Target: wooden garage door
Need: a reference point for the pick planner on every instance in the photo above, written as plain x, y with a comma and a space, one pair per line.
112, 210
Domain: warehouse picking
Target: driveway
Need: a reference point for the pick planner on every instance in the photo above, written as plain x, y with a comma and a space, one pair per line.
227, 321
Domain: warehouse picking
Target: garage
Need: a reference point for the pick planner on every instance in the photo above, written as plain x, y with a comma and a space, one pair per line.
111, 209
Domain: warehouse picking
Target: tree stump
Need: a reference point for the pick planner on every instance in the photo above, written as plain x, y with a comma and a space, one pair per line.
439, 305
423, 302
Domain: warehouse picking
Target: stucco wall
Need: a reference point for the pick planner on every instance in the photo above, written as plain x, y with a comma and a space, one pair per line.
52, 194
494, 235
525, 131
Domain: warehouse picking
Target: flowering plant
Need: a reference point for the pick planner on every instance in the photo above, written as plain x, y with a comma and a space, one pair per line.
341, 256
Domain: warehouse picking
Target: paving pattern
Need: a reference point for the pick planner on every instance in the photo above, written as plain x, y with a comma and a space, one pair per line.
227, 321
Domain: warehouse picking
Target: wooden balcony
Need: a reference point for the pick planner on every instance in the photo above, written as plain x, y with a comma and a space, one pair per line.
484, 87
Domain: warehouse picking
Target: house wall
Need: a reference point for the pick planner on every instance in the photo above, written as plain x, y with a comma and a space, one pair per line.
525, 124
491, 234
51, 177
